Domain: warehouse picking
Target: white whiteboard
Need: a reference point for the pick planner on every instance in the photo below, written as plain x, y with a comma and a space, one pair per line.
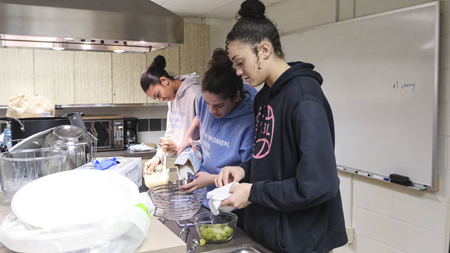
380, 76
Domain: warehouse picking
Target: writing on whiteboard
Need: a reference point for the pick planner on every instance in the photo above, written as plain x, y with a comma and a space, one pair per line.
411, 86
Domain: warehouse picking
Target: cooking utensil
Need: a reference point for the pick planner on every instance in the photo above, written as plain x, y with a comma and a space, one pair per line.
82, 146
18, 168
185, 233
186, 181
174, 204
195, 244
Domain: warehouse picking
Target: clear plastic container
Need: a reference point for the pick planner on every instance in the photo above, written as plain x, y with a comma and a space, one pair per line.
18, 168
154, 178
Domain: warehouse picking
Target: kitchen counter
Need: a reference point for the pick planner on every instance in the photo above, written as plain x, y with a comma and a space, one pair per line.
127, 153
240, 238
159, 238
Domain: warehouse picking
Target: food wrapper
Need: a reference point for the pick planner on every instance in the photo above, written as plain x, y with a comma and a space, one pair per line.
37, 106
188, 161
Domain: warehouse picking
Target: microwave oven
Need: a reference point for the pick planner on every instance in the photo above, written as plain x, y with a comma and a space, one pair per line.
109, 131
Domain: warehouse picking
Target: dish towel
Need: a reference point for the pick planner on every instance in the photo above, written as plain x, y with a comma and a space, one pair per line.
216, 196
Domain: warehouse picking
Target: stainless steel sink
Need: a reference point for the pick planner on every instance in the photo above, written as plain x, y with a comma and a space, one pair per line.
245, 248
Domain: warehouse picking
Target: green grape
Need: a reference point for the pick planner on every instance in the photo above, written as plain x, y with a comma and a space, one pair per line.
202, 242
202, 228
204, 234
229, 231
218, 237
209, 236
223, 233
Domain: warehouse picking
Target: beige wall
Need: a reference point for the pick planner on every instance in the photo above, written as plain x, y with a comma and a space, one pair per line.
419, 221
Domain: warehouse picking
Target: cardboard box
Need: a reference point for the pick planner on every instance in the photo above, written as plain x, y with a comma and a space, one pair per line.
129, 167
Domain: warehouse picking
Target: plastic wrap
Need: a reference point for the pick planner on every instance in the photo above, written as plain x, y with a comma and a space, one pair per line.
123, 233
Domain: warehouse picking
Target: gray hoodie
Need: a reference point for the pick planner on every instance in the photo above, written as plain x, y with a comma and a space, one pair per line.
182, 110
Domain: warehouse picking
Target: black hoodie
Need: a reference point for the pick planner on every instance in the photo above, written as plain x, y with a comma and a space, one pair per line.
296, 202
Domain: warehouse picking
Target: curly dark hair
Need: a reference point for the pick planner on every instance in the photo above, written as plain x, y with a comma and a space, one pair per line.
220, 78
253, 27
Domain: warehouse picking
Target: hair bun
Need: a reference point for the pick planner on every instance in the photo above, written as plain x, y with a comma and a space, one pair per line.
219, 61
252, 9
159, 62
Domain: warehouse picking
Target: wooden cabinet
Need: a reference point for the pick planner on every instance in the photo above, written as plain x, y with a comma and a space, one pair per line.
54, 75
126, 74
194, 53
16, 73
93, 79
76, 77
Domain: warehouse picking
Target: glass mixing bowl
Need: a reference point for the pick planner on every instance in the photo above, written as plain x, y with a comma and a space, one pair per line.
18, 168
215, 228
174, 204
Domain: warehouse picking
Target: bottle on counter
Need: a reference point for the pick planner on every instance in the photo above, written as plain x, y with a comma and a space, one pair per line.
7, 138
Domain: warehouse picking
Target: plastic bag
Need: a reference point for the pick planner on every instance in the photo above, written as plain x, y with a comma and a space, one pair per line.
21, 107
122, 234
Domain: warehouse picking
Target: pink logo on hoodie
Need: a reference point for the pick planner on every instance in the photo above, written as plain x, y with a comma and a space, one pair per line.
265, 123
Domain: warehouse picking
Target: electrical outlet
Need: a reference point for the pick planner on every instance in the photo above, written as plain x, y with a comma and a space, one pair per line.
350, 232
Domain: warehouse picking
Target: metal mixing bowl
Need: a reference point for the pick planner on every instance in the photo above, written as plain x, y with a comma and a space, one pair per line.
174, 204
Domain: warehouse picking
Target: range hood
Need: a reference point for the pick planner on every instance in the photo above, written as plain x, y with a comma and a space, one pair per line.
131, 26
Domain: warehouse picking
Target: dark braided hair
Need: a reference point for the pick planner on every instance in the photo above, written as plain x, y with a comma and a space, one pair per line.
253, 27
151, 76
220, 78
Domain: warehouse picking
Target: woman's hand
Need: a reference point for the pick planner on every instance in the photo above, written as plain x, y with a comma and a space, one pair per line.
202, 179
151, 164
187, 141
239, 196
167, 145
228, 175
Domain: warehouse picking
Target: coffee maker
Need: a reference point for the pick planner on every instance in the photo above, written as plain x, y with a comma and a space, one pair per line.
130, 131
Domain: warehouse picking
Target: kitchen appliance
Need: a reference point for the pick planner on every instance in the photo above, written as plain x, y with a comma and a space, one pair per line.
109, 131
81, 146
130, 131
130, 26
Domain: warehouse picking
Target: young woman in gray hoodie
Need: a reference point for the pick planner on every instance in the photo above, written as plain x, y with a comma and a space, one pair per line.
180, 92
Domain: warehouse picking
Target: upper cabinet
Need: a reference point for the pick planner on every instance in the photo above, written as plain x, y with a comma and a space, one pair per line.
54, 75
16, 73
93, 79
76, 77
194, 53
126, 74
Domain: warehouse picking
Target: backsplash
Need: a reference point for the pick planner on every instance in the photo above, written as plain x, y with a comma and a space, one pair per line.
151, 119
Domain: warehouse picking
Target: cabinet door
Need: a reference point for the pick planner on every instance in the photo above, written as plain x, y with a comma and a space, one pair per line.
93, 84
126, 71
53, 75
16, 73
194, 53
172, 55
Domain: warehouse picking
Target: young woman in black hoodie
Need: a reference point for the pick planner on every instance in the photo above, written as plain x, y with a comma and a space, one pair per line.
290, 188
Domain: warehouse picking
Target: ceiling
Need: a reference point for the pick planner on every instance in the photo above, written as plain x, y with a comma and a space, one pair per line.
224, 9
